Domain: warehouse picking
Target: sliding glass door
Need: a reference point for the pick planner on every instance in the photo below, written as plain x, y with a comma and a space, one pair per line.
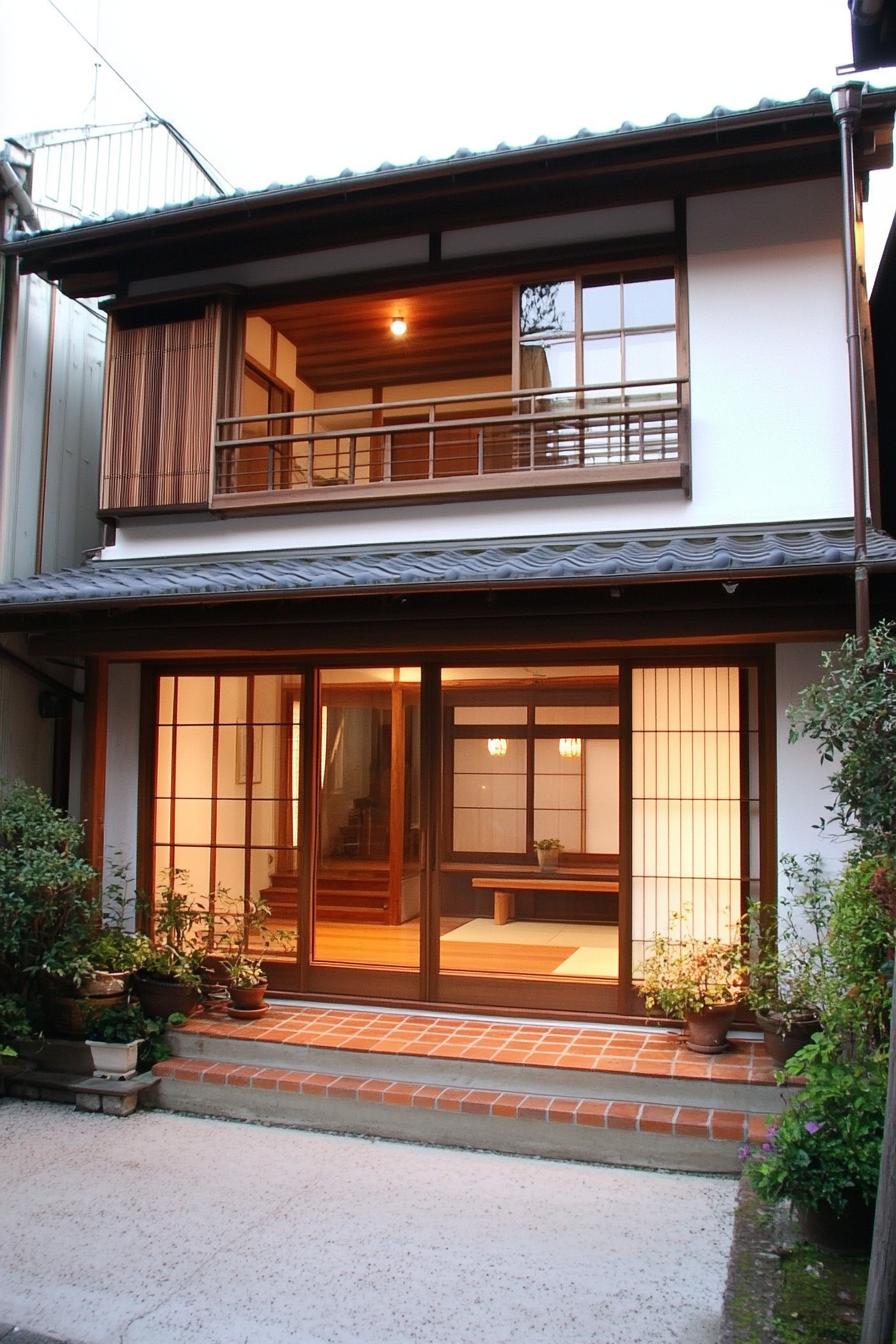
394, 821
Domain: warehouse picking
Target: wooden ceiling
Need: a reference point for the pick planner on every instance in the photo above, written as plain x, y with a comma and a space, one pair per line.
454, 331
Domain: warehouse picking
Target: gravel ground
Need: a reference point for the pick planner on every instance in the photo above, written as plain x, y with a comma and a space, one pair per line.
163, 1229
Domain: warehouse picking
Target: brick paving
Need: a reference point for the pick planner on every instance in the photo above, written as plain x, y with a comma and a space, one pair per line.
690, 1121
659, 1053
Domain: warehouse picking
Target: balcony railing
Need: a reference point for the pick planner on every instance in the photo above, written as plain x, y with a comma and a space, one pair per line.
540, 438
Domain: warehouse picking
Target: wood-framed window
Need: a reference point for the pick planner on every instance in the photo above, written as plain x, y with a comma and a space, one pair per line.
524, 764
252, 467
612, 329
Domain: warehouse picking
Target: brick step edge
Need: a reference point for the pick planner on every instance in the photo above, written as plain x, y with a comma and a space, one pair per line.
645, 1117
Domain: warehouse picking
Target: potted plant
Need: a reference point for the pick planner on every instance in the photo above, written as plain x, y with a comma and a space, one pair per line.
169, 980
242, 937
790, 968
246, 982
548, 852
115, 1040
823, 1153
698, 979
48, 906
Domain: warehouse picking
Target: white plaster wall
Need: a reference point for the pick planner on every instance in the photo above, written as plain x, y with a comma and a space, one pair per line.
769, 405
122, 766
769, 377
802, 778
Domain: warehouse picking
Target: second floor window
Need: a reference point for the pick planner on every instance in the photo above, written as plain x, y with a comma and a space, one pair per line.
613, 333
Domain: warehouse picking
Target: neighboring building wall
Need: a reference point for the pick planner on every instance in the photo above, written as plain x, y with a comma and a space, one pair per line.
50, 471
50, 482
769, 404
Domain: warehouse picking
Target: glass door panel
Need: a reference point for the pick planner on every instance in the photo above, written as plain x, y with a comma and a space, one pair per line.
530, 754
226, 793
367, 887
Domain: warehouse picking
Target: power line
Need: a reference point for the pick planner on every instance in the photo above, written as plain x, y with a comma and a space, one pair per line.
200, 160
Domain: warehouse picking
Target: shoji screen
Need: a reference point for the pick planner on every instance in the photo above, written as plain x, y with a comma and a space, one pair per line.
690, 820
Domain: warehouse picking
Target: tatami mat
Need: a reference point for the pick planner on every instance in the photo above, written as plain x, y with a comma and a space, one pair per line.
535, 933
591, 962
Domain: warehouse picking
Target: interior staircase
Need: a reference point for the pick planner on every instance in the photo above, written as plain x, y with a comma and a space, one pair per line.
347, 889
594, 1094
353, 891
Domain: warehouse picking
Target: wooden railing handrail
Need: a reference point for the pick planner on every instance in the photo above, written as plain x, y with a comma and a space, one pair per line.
512, 394
574, 414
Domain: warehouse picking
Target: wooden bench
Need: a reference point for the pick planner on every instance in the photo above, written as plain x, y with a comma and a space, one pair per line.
505, 889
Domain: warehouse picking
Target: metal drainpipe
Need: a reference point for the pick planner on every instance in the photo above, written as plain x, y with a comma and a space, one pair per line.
846, 102
8, 330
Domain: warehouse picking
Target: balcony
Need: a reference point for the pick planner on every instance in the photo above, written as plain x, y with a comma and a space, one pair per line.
544, 440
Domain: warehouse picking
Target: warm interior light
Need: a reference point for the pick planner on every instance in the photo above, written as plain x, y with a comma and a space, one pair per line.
570, 747
398, 326
497, 746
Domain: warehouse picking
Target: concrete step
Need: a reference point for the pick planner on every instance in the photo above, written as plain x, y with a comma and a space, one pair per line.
683, 1138
590, 1094
449, 1070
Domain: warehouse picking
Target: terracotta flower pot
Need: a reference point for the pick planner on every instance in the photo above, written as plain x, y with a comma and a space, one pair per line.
248, 996
707, 1029
72, 1015
105, 983
782, 1041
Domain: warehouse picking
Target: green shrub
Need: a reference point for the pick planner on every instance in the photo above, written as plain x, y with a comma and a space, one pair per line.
825, 1148
48, 909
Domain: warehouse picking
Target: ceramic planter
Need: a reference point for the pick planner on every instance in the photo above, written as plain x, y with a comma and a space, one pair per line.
707, 1029
782, 1041
548, 858
113, 1059
161, 998
104, 983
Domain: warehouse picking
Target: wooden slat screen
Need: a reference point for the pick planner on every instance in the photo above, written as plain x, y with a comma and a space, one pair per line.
160, 412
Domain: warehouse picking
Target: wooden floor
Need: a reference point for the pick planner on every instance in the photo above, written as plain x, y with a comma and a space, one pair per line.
398, 945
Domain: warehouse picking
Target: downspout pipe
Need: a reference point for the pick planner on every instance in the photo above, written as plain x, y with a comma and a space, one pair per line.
846, 103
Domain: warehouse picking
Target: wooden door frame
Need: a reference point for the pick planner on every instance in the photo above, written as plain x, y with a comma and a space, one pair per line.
429, 985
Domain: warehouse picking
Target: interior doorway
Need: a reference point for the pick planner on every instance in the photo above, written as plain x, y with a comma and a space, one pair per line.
367, 868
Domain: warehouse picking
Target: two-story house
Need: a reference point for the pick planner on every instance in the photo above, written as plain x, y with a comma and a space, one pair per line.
461, 506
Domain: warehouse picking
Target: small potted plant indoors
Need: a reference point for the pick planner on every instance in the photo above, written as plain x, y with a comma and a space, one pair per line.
790, 967
548, 852
700, 980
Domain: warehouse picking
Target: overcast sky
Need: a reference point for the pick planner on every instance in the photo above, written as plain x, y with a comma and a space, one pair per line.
272, 90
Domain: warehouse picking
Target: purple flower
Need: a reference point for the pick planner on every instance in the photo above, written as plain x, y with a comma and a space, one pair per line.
768, 1147
813, 1126
772, 1131
744, 1152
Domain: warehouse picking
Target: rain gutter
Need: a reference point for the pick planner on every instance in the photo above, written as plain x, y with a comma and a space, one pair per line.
846, 103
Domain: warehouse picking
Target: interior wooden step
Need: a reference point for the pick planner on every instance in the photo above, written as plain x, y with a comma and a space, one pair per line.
353, 911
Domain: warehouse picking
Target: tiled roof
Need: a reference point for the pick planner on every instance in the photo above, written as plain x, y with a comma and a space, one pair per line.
521, 562
716, 115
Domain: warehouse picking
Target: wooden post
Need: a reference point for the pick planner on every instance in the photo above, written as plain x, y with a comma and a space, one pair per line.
880, 1296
